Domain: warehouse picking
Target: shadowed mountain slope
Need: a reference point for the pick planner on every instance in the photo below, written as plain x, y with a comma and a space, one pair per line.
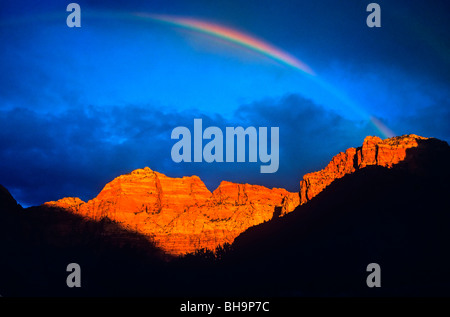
37, 244
397, 217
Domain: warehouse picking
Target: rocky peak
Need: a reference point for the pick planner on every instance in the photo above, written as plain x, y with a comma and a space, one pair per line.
72, 203
374, 151
388, 152
181, 214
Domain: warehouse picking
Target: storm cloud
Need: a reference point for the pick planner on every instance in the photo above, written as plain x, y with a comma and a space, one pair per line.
48, 156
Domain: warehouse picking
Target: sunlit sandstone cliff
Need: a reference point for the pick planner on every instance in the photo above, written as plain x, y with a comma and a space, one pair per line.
181, 214
374, 151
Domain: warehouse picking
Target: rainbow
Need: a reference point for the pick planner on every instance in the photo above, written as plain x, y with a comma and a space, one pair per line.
264, 48
385, 131
234, 37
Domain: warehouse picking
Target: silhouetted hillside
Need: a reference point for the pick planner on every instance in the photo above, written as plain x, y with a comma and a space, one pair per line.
37, 244
398, 218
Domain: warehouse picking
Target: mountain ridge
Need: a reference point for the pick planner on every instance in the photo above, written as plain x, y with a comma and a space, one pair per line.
182, 215
374, 151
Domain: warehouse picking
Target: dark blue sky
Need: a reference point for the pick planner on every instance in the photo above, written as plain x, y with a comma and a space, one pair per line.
80, 106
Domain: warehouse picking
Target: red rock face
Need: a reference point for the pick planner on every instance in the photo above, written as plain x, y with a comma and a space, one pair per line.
374, 151
181, 214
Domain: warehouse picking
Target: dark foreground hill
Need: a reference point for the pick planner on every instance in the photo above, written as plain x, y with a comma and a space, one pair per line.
398, 218
37, 244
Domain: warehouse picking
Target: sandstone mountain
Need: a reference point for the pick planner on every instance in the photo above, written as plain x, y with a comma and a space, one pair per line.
374, 151
181, 214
